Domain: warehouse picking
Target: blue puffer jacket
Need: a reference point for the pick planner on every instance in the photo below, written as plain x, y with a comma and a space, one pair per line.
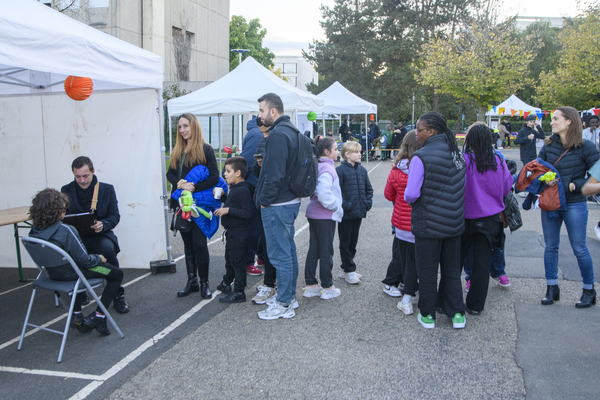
357, 192
204, 199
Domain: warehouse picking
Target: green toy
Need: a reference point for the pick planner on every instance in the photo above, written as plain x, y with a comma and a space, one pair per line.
311, 116
548, 177
189, 208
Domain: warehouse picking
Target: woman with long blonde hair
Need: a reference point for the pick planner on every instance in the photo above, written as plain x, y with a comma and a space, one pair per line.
190, 151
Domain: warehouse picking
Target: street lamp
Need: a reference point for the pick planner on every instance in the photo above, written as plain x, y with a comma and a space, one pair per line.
240, 52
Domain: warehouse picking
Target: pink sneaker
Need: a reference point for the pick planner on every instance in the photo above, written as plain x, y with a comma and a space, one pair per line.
252, 270
503, 281
468, 285
259, 263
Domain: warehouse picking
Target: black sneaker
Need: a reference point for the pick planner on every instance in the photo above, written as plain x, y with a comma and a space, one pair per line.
93, 322
119, 302
76, 321
233, 297
85, 299
224, 288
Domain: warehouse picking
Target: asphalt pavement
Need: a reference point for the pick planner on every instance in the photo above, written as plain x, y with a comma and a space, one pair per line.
358, 345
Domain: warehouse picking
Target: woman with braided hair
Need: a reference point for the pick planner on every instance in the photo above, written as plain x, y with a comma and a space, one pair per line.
488, 180
436, 190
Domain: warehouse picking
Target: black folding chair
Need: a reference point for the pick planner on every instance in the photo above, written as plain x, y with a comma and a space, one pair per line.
47, 255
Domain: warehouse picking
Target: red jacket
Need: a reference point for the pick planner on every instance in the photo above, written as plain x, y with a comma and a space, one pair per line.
394, 191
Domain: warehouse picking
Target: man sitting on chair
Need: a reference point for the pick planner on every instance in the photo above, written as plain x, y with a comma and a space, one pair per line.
87, 194
47, 212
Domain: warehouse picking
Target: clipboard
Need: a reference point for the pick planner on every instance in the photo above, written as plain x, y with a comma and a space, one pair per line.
82, 222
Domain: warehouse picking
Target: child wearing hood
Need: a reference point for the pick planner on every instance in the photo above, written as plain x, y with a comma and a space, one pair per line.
402, 267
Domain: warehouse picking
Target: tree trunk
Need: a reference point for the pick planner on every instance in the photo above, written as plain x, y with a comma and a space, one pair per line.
461, 110
482, 111
434, 100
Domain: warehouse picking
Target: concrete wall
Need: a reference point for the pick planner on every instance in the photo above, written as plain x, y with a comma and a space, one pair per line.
305, 73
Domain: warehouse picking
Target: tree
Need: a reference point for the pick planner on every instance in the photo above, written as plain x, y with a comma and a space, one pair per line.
485, 63
249, 36
575, 81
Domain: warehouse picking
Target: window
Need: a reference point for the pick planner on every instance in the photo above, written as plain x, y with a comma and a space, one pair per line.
293, 80
289, 68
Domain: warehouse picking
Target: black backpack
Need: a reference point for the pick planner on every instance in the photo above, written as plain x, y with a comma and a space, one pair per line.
511, 214
303, 180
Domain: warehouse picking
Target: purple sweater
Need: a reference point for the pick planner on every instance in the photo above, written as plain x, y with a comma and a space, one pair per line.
484, 193
326, 203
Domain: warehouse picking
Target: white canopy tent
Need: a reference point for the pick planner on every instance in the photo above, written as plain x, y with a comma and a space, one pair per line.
119, 126
237, 92
512, 103
339, 100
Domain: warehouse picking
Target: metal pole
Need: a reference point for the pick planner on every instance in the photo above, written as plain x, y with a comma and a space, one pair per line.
170, 134
165, 196
366, 140
220, 143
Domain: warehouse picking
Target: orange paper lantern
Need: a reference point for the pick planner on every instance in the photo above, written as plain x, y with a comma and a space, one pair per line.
78, 88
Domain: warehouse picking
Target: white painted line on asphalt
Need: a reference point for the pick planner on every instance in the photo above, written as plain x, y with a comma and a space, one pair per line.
181, 256
374, 168
59, 374
301, 229
139, 278
17, 288
86, 391
31, 332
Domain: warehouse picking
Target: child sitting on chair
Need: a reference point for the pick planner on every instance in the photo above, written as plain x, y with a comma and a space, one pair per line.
47, 211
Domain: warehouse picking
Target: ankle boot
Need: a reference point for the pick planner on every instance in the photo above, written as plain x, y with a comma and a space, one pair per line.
192, 283
204, 290
552, 295
588, 299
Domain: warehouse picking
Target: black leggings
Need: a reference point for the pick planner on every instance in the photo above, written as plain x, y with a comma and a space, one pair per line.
114, 278
195, 245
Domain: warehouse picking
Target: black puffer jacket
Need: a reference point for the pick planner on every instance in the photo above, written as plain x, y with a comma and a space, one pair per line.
357, 192
573, 166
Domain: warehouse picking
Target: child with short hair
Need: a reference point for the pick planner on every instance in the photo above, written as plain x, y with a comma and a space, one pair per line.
357, 199
47, 211
322, 212
235, 213
402, 268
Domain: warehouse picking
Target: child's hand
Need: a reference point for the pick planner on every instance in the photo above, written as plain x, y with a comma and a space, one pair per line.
102, 258
219, 212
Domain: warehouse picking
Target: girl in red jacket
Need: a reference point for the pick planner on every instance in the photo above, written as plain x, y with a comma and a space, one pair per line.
403, 253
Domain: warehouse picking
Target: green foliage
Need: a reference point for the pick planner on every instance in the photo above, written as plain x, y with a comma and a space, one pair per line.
173, 91
575, 81
249, 36
486, 63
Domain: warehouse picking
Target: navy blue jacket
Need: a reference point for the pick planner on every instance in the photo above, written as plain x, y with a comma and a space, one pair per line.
249, 148
107, 208
527, 146
357, 192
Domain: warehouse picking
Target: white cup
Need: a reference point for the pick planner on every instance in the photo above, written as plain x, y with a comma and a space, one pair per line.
218, 192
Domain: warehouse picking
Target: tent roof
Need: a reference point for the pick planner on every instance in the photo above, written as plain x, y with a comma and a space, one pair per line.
237, 92
339, 100
42, 46
514, 103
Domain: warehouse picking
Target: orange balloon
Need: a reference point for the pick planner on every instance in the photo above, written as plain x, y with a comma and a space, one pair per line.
78, 88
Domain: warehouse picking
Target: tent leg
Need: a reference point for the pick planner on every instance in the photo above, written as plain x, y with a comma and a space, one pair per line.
165, 196
220, 142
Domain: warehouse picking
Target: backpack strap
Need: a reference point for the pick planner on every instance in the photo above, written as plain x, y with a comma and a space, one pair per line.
95, 197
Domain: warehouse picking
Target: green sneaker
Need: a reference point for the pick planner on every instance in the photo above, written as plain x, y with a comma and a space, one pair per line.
428, 322
459, 321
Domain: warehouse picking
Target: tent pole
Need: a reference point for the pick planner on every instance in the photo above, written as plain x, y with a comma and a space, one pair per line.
240, 134
165, 197
324, 127
220, 142
170, 134
366, 139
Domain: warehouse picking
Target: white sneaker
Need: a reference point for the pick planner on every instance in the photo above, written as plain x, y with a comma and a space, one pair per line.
273, 300
276, 311
391, 291
264, 293
312, 292
597, 231
330, 293
407, 308
351, 277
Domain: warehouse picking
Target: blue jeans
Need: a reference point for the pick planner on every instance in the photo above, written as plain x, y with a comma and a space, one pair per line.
278, 222
575, 219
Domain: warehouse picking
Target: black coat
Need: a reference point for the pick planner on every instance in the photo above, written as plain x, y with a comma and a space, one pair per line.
107, 208
573, 166
526, 145
239, 202
357, 192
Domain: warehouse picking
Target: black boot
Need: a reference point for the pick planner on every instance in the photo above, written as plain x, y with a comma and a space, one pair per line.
119, 302
204, 290
552, 295
192, 283
588, 299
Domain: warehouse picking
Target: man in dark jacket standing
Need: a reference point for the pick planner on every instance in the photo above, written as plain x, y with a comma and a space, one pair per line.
251, 140
526, 140
279, 206
81, 195
344, 132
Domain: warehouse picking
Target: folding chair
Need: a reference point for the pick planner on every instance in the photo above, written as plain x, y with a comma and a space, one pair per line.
47, 255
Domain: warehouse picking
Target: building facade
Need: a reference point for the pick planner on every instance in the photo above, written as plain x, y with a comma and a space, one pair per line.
297, 70
191, 36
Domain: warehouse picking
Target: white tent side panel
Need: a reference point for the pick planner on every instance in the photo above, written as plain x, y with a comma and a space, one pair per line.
41, 135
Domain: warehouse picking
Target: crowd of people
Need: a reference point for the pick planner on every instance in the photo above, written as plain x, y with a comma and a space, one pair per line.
447, 214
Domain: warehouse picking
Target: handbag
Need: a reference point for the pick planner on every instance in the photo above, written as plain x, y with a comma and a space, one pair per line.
511, 216
549, 198
181, 224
